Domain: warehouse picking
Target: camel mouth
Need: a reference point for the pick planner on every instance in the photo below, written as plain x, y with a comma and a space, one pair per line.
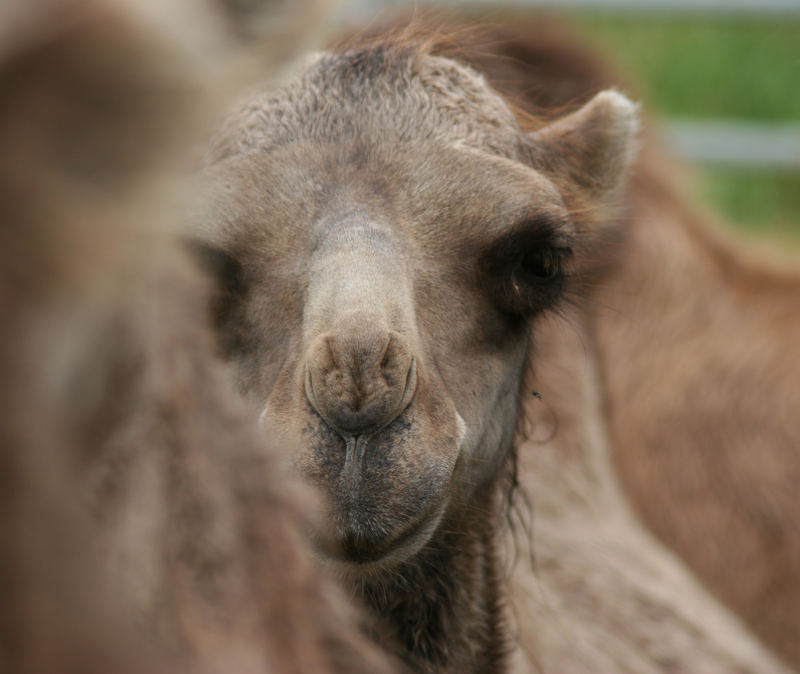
359, 554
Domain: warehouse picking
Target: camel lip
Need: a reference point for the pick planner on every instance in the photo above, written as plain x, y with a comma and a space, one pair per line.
353, 556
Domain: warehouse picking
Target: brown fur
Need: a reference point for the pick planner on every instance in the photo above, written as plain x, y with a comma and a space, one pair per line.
710, 453
383, 192
146, 524
694, 334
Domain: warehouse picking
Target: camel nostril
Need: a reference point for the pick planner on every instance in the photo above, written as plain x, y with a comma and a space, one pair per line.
360, 379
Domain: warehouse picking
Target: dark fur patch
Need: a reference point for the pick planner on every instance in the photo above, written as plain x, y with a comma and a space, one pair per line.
228, 289
524, 270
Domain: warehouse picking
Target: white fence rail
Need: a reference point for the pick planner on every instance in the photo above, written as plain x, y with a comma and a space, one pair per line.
718, 141
751, 8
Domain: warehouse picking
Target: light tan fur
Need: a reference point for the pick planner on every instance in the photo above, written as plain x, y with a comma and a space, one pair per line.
605, 594
702, 391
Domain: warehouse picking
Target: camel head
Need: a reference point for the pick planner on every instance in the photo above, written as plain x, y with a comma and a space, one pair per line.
384, 236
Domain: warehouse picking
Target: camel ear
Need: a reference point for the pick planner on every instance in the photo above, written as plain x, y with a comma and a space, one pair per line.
592, 147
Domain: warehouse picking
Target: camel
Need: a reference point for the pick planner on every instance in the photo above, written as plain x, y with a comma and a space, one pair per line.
388, 239
147, 525
713, 470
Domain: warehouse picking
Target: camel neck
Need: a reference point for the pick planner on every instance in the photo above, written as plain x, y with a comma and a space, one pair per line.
443, 611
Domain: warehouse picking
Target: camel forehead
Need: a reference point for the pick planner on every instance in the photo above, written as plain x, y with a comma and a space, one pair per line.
379, 95
439, 195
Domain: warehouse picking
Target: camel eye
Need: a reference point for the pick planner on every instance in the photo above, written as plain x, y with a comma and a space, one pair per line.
542, 263
524, 268
227, 276
224, 269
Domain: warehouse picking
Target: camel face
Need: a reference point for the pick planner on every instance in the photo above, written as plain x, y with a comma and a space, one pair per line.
384, 243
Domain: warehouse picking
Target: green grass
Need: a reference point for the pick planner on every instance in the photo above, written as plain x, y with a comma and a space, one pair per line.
706, 66
760, 202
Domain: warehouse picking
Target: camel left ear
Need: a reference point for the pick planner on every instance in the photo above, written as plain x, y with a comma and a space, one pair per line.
592, 147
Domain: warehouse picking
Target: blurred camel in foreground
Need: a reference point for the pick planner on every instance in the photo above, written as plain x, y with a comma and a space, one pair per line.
146, 524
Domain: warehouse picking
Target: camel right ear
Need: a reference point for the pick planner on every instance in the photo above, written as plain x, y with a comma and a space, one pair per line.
592, 147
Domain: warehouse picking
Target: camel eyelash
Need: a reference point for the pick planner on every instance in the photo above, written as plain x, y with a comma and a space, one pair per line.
525, 268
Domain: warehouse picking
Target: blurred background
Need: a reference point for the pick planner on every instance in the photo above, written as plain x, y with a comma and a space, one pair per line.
722, 75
